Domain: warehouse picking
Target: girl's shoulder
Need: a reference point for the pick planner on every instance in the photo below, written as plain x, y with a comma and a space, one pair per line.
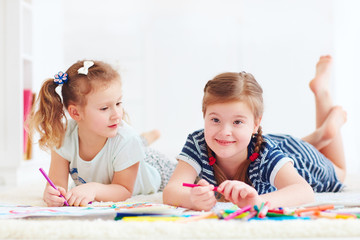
270, 142
196, 138
71, 132
70, 142
198, 134
275, 139
275, 144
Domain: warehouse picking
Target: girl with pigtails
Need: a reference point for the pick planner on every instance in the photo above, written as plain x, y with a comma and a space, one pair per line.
105, 157
249, 167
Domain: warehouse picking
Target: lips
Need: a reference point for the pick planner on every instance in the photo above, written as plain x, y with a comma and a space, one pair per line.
113, 126
224, 142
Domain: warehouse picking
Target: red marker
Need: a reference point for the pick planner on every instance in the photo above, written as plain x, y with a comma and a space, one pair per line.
264, 210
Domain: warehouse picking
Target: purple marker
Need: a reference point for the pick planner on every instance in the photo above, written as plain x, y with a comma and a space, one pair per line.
52, 184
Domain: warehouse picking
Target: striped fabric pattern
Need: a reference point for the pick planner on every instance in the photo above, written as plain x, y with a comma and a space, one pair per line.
312, 165
309, 162
195, 153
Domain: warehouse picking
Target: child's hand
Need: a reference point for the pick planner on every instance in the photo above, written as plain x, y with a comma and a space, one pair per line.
52, 196
203, 197
239, 193
81, 195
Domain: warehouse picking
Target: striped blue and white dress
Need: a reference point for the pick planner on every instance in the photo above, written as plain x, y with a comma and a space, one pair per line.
277, 150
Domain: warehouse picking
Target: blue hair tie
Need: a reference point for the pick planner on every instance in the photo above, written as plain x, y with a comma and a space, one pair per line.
61, 78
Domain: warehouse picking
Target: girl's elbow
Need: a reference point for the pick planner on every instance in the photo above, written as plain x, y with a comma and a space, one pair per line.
170, 195
310, 193
166, 194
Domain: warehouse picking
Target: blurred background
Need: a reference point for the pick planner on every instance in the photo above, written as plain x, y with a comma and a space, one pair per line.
167, 50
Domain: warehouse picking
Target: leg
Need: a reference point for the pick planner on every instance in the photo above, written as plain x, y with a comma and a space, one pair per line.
162, 163
150, 137
326, 133
329, 119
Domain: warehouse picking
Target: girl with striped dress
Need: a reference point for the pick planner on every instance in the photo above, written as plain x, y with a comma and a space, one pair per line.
249, 167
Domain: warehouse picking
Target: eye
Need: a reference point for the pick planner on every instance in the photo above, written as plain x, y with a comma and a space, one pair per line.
103, 108
215, 120
237, 122
118, 103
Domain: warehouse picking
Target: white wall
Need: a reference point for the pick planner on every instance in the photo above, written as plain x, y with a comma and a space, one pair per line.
2, 75
347, 81
48, 51
167, 50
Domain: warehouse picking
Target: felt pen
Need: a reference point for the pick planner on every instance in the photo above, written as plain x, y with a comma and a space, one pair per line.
334, 215
312, 209
198, 217
52, 184
272, 214
259, 209
287, 217
195, 185
238, 212
251, 215
264, 210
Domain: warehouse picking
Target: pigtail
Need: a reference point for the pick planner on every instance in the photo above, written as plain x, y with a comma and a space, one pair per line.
259, 140
47, 120
242, 174
218, 173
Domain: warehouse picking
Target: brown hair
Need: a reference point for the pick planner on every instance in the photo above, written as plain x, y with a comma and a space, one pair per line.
49, 119
228, 87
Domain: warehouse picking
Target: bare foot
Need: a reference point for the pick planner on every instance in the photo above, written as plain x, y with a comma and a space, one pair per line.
320, 83
330, 128
151, 136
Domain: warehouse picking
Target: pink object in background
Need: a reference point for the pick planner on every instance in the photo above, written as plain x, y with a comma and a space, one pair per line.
27, 108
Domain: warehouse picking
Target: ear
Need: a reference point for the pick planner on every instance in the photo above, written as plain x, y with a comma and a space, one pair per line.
74, 112
257, 124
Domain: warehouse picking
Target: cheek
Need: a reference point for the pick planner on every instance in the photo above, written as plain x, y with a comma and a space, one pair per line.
244, 136
97, 119
209, 133
122, 113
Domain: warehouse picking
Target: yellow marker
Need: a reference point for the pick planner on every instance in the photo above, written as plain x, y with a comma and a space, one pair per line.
199, 217
334, 215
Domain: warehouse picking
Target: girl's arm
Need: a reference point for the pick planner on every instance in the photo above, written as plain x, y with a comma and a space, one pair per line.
58, 173
197, 198
293, 190
59, 170
120, 189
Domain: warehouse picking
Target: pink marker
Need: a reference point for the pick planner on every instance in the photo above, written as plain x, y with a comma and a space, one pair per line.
196, 185
237, 213
52, 184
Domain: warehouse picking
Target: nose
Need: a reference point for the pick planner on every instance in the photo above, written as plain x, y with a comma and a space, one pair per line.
117, 113
226, 130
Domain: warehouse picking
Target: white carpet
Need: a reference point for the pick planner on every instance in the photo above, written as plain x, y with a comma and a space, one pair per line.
58, 228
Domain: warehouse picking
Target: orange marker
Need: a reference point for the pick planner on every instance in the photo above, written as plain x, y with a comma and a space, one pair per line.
313, 209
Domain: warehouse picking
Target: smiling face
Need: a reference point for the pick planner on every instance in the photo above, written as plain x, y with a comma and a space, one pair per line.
228, 129
103, 111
